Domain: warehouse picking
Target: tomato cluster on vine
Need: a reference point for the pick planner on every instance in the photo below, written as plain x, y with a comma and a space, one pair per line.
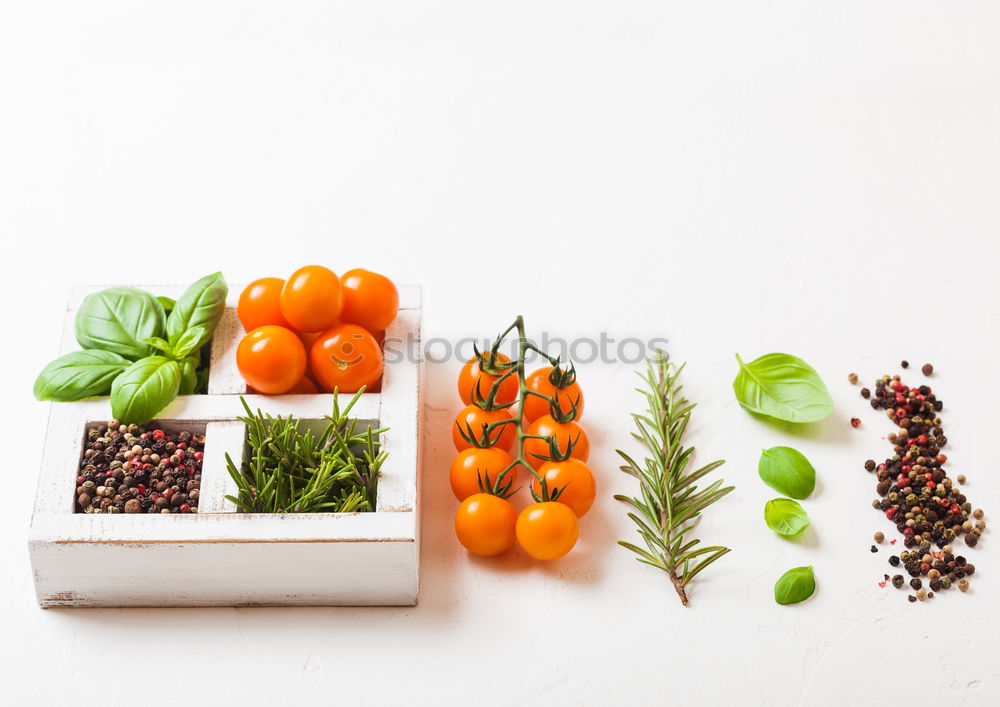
315, 331
520, 428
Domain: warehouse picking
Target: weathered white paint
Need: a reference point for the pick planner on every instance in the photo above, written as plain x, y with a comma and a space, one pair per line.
219, 556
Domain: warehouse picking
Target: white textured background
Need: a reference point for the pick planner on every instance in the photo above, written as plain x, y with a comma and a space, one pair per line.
813, 177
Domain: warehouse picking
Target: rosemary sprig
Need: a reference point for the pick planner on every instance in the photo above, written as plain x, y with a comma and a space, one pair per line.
289, 469
670, 504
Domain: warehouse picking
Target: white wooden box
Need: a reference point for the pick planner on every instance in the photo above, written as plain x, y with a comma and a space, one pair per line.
219, 557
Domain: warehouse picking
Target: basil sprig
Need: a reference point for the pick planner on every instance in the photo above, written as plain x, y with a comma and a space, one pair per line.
137, 351
784, 387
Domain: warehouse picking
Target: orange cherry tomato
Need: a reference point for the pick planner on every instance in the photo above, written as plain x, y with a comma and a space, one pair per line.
311, 298
345, 357
485, 524
471, 376
547, 531
305, 386
576, 480
538, 381
258, 305
475, 417
474, 464
271, 359
564, 432
370, 300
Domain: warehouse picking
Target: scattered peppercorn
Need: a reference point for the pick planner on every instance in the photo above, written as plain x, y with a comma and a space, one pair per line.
852, 378
963, 585
865, 393
129, 469
915, 492
921, 594
879, 536
904, 364
897, 581
855, 422
927, 369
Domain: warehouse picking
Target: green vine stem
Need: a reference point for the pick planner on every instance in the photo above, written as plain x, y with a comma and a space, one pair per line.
505, 370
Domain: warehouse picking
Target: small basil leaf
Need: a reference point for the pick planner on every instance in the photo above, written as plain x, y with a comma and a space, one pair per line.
78, 375
160, 345
795, 585
201, 305
787, 471
190, 340
144, 389
785, 517
189, 375
167, 303
118, 319
784, 387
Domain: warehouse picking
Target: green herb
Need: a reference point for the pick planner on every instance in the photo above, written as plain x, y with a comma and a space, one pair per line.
122, 330
145, 388
670, 504
785, 517
787, 471
783, 387
289, 469
201, 305
118, 320
795, 585
79, 374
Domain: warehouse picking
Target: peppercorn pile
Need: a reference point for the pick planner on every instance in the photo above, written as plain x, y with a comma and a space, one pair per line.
917, 494
127, 469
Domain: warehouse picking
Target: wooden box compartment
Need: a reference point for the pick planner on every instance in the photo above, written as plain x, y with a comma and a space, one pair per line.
219, 557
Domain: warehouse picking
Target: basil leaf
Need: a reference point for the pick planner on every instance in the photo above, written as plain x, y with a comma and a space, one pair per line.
78, 375
784, 387
795, 585
785, 517
167, 303
144, 389
787, 471
118, 319
160, 345
201, 305
190, 340
189, 375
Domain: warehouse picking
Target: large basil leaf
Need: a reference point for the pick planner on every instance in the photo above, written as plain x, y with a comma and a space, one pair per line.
787, 471
785, 517
78, 375
118, 319
784, 387
201, 305
795, 585
144, 389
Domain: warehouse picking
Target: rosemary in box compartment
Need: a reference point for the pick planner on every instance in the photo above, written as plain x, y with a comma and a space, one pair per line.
290, 467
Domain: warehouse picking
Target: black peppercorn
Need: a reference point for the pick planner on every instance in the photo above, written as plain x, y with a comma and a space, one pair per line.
894, 561
916, 583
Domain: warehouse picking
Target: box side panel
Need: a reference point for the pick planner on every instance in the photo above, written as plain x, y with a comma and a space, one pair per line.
225, 574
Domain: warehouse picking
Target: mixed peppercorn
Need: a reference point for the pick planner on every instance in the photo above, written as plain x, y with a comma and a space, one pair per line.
128, 469
916, 493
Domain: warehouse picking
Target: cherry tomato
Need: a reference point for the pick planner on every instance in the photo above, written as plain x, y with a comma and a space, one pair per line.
311, 298
258, 305
345, 357
576, 480
370, 300
305, 386
271, 359
475, 417
547, 531
563, 432
485, 524
473, 464
538, 381
471, 376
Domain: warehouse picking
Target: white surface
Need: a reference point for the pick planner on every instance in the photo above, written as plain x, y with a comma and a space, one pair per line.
733, 176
